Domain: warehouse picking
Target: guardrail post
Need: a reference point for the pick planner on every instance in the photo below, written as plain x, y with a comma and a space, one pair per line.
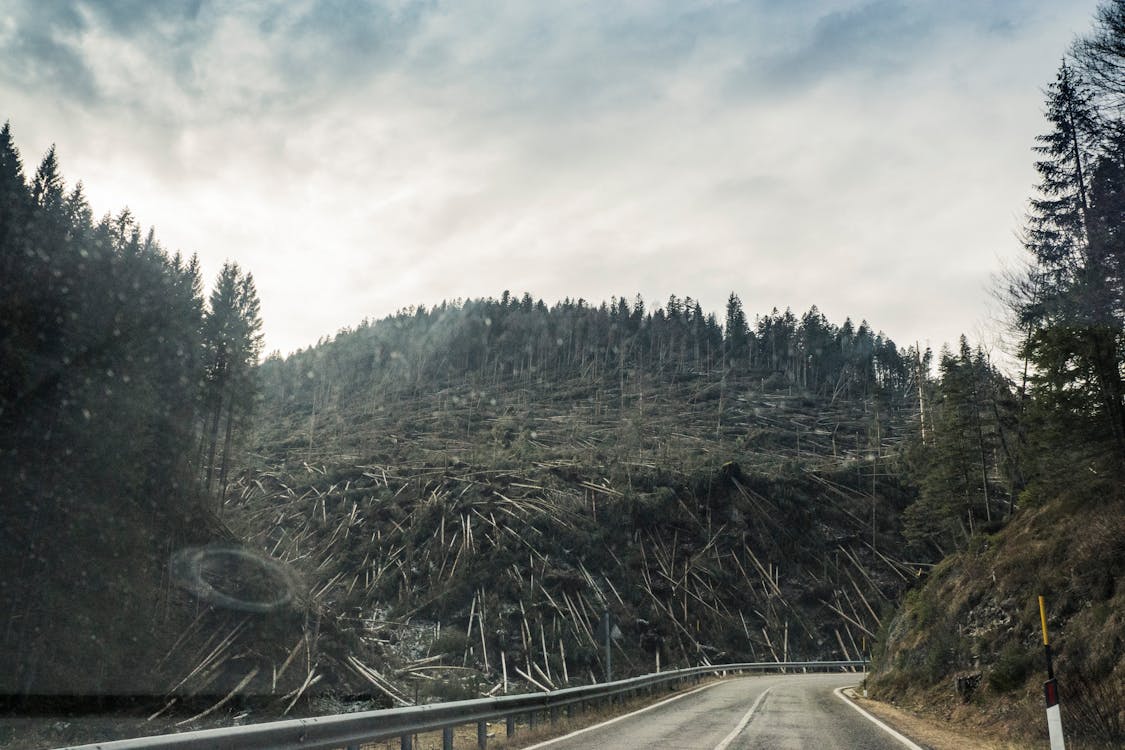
407, 742
531, 720
447, 738
554, 714
510, 726
482, 735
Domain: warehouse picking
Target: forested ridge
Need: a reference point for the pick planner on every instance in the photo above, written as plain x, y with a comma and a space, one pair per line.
524, 338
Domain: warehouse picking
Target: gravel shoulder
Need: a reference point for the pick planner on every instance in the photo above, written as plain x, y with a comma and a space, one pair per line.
928, 732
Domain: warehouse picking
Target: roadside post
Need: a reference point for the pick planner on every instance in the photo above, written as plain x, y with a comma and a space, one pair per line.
866, 658
607, 632
610, 633
1051, 688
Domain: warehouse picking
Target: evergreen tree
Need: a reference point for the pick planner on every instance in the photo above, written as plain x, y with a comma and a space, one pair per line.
16, 331
964, 460
736, 335
1071, 315
232, 340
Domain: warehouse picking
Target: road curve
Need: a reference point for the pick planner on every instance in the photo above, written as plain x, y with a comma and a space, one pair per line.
774, 712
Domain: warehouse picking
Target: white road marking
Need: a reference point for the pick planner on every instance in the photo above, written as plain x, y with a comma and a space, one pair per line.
906, 742
742, 724
616, 719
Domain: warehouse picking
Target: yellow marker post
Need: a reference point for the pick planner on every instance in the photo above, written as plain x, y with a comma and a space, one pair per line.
1051, 688
1043, 619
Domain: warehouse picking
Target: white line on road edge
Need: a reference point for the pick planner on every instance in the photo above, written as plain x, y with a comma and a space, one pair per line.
840, 694
742, 724
623, 716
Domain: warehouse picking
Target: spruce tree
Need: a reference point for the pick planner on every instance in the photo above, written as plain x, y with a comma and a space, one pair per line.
1071, 316
736, 338
232, 341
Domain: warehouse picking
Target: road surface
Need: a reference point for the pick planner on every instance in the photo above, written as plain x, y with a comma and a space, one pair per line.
774, 712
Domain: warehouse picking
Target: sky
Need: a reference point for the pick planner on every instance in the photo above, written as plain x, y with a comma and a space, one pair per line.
358, 157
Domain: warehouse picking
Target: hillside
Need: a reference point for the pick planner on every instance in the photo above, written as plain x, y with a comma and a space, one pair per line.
967, 644
467, 523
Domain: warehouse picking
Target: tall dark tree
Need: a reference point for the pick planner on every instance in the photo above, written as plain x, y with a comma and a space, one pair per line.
1069, 307
736, 333
16, 331
232, 340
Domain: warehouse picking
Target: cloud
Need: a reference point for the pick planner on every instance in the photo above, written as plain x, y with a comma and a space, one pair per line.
35, 41
358, 157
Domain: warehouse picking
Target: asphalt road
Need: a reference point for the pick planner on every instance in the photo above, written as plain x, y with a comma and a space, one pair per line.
774, 712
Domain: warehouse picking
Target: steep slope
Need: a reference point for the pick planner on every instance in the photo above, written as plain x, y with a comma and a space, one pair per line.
967, 644
491, 522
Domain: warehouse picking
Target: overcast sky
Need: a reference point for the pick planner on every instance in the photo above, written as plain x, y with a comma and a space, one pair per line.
872, 158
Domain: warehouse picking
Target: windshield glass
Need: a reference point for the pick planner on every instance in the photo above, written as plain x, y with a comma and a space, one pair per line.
372, 354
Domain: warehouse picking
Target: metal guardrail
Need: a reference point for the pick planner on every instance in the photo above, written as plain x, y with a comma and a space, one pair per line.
354, 729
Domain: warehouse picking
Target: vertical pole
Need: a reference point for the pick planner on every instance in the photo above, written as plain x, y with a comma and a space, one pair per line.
447, 738
1046, 641
608, 652
866, 660
482, 735
1051, 688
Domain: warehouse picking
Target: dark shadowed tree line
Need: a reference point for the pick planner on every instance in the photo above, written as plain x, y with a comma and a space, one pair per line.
121, 390
104, 333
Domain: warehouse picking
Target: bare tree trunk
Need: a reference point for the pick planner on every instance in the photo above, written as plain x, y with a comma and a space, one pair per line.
212, 441
226, 456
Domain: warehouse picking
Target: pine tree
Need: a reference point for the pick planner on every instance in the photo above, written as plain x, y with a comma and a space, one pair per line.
232, 341
15, 199
16, 331
1071, 315
736, 335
